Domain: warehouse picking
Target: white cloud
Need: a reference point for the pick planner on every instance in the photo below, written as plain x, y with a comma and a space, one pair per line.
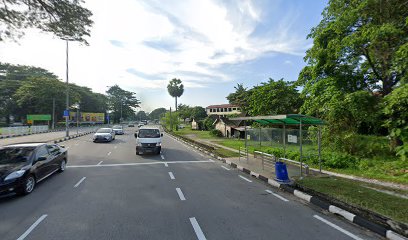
202, 36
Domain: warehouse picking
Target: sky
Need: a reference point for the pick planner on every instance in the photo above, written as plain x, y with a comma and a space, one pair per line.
211, 45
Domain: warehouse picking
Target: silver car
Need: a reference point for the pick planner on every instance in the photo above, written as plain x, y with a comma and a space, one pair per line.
104, 135
118, 129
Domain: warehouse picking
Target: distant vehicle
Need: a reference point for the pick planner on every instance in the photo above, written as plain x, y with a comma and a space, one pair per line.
24, 165
118, 129
104, 135
148, 140
131, 125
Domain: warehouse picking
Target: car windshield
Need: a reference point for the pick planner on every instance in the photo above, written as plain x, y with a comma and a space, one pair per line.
15, 154
117, 127
104, 130
149, 133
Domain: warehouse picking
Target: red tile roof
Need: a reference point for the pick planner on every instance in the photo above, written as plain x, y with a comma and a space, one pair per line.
222, 106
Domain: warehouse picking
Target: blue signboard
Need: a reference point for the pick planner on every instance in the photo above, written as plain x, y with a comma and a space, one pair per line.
66, 113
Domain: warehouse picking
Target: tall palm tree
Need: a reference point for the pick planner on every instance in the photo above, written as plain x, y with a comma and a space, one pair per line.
175, 89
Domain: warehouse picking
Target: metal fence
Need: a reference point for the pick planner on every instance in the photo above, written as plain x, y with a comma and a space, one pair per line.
300, 145
9, 131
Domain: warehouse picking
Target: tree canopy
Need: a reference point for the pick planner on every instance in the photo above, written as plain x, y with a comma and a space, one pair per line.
175, 89
157, 113
121, 102
66, 19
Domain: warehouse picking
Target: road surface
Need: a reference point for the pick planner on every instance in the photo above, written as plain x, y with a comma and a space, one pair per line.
108, 192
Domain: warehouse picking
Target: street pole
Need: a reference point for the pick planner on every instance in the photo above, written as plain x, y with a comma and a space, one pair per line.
121, 106
77, 118
67, 97
171, 122
53, 113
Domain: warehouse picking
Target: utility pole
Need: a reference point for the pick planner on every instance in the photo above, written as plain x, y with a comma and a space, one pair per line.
77, 118
53, 113
67, 98
171, 122
121, 109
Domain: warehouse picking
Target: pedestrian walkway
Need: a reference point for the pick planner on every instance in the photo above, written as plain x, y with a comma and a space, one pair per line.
42, 137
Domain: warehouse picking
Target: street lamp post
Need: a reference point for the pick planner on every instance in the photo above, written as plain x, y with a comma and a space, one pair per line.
67, 96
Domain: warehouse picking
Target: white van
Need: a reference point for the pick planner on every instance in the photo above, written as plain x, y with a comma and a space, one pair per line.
148, 140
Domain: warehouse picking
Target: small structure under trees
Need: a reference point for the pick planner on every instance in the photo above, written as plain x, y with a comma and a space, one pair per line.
288, 120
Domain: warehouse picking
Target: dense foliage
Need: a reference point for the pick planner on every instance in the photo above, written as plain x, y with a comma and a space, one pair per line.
175, 89
66, 19
268, 98
157, 113
122, 103
30, 90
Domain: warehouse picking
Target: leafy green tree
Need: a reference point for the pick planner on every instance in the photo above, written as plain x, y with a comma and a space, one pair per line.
240, 97
175, 89
356, 44
198, 113
184, 111
121, 102
157, 113
274, 97
11, 79
35, 96
141, 115
66, 19
170, 120
396, 111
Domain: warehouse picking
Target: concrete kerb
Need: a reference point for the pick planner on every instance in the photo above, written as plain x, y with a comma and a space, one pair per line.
361, 221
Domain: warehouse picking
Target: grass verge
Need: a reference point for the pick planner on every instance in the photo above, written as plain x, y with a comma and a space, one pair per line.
352, 192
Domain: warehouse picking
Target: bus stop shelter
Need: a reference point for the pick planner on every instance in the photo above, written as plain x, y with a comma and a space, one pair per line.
286, 120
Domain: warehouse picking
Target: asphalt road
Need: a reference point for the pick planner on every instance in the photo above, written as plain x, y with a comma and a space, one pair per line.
110, 193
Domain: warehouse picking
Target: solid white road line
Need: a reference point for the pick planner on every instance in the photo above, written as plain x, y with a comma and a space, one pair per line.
166, 165
80, 181
109, 153
211, 160
180, 193
197, 229
276, 195
67, 148
244, 178
99, 163
133, 164
171, 175
115, 147
25, 234
201, 155
337, 227
162, 157
225, 168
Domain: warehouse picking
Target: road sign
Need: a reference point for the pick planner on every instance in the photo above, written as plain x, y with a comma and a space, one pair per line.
66, 113
39, 117
30, 121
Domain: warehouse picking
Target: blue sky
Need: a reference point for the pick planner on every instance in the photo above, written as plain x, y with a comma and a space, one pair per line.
211, 45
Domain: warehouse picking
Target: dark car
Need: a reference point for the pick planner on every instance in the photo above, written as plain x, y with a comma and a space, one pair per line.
23, 165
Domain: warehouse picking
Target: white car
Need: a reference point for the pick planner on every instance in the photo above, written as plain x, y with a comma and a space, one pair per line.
118, 129
104, 135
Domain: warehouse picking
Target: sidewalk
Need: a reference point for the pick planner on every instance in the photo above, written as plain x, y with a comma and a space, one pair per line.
42, 137
255, 165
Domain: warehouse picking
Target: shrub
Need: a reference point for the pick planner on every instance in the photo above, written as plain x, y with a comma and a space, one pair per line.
216, 133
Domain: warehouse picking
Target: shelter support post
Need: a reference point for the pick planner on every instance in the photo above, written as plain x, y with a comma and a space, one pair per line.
246, 134
300, 147
319, 142
260, 143
284, 140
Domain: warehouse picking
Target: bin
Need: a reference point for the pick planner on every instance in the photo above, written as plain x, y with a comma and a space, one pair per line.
281, 172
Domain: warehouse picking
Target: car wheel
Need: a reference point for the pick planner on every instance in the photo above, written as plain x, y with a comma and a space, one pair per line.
62, 166
28, 186
137, 153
